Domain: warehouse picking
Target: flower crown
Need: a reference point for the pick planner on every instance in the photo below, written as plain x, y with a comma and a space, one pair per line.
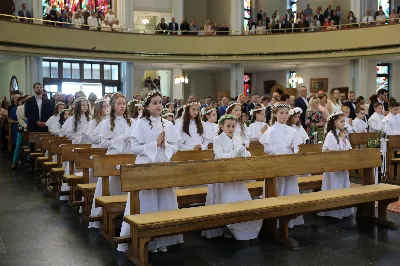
79, 99
149, 95
280, 105
256, 110
205, 112
167, 114
295, 111
100, 100
226, 117
169, 104
232, 104
190, 104
334, 115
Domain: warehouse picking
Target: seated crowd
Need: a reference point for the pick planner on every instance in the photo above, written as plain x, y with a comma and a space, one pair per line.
302, 21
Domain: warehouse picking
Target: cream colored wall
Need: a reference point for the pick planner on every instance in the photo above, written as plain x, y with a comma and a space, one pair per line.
219, 10
258, 87
269, 6
153, 5
195, 10
17, 68
202, 84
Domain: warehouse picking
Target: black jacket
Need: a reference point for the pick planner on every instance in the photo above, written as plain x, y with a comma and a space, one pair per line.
32, 114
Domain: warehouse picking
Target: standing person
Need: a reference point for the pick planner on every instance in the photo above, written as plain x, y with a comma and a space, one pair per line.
258, 125
294, 122
20, 134
283, 139
24, 14
314, 124
375, 120
335, 140
173, 27
153, 140
351, 103
382, 98
359, 125
222, 108
185, 26
241, 129
252, 104
302, 102
334, 105
227, 145
37, 110
52, 121
209, 117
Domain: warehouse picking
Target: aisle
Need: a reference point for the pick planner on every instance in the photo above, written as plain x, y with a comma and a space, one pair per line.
36, 229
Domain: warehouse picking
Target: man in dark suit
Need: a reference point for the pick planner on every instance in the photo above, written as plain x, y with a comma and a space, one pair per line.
302, 102
351, 103
319, 17
37, 110
24, 14
173, 27
252, 104
289, 15
329, 12
281, 26
382, 98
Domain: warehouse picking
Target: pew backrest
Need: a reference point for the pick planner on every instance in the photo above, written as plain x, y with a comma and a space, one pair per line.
360, 138
67, 151
394, 142
32, 136
305, 148
83, 156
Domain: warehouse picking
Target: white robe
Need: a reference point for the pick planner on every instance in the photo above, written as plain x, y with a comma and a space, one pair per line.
52, 124
375, 122
282, 139
360, 126
144, 145
301, 132
106, 136
347, 125
243, 134
336, 180
186, 142
210, 130
89, 136
255, 130
391, 124
225, 147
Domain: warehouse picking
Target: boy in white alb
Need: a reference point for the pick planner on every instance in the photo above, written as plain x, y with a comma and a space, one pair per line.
391, 123
375, 121
359, 125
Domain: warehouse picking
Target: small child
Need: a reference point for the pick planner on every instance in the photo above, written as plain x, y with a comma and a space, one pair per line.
258, 125
64, 115
359, 124
375, 121
135, 110
167, 115
294, 122
335, 140
391, 123
52, 121
209, 115
348, 122
228, 145
241, 129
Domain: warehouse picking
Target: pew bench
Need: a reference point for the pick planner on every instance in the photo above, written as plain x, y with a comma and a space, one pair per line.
144, 227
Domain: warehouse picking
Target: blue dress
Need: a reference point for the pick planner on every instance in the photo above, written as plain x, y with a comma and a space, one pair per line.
14, 126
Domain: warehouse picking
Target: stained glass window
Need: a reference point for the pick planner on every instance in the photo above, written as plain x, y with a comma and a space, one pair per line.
293, 6
382, 76
247, 12
247, 84
386, 6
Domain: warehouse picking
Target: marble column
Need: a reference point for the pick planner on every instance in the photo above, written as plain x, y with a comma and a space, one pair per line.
177, 10
237, 73
125, 10
37, 10
177, 89
127, 79
363, 77
237, 16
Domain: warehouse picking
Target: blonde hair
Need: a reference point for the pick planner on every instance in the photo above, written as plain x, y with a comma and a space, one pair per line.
97, 115
345, 108
112, 112
313, 101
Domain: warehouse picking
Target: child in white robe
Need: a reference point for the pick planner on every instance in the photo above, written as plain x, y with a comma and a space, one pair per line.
99, 113
336, 140
241, 129
359, 124
294, 122
227, 145
348, 122
391, 122
191, 130
57, 129
258, 125
135, 110
375, 121
209, 115
111, 128
283, 139
153, 140
52, 121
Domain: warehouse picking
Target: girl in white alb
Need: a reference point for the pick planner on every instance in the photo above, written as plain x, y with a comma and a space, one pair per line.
191, 131
375, 121
64, 115
210, 118
135, 110
283, 139
258, 125
73, 129
359, 125
153, 140
294, 122
52, 121
335, 140
99, 113
241, 129
227, 145
110, 129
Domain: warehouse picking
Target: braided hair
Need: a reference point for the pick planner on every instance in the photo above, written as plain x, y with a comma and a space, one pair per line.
147, 100
112, 112
331, 125
78, 110
97, 115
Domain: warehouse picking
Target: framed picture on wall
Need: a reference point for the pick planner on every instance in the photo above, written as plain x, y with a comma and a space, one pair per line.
319, 84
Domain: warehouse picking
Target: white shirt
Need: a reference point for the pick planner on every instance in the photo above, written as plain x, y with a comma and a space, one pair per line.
391, 124
39, 104
210, 129
281, 139
359, 126
381, 18
333, 144
93, 23
21, 116
77, 23
188, 142
367, 19
52, 123
105, 27
69, 129
375, 122
116, 27
301, 132
305, 100
110, 18
348, 127
255, 129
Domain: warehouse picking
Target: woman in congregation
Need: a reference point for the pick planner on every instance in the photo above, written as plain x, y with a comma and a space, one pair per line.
335, 140
294, 122
52, 121
314, 124
334, 105
283, 139
191, 129
241, 130
227, 145
111, 128
21, 128
258, 125
209, 115
153, 140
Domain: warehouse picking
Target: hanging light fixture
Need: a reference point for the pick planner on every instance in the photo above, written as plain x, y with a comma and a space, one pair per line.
145, 21
182, 77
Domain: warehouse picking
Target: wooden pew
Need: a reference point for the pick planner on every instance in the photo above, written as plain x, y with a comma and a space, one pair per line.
145, 227
32, 139
392, 146
68, 155
84, 161
359, 140
305, 148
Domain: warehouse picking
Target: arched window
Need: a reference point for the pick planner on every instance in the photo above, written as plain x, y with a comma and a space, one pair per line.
13, 85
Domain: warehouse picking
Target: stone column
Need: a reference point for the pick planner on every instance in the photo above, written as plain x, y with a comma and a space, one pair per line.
237, 16
363, 77
128, 80
177, 89
177, 10
125, 10
237, 73
37, 10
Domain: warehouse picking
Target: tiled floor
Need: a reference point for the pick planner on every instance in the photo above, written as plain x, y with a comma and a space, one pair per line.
37, 229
